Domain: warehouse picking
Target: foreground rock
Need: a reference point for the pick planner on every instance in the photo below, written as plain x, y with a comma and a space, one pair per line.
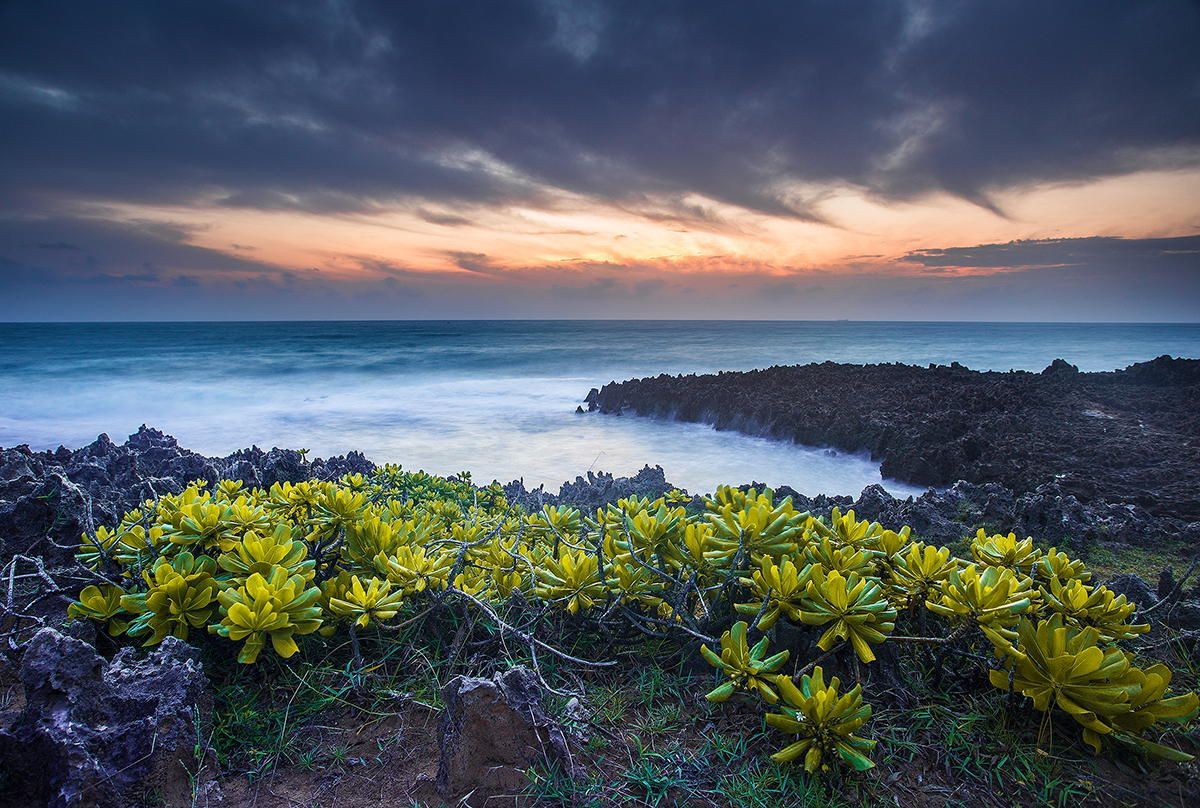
1129, 436
115, 733
491, 731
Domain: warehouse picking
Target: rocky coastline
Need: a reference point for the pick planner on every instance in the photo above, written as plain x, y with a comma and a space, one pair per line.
48, 498
1126, 438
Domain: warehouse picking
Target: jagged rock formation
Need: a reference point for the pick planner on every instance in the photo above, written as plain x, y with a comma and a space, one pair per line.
594, 491
1130, 436
1048, 512
93, 732
48, 498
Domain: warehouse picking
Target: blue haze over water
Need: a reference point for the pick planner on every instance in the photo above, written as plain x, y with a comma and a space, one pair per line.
496, 398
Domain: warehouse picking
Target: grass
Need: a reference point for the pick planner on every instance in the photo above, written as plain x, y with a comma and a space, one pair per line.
959, 744
973, 740
652, 739
269, 714
1110, 559
250, 727
652, 778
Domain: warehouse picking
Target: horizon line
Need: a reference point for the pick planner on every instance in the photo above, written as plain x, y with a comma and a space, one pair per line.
284, 321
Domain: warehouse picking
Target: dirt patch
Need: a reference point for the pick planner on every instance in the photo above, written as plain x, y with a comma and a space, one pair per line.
357, 762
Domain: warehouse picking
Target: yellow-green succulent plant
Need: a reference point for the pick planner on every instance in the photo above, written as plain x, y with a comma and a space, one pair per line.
554, 522
640, 585
1095, 606
180, 595
779, 590
274, 607
1150, 705
1058, 665
760, 526
824, 721
749, 671
922, 570
854, 608
1055, 564
363, 604
240, 517
198, 525
891, 544
845, 558
849, 530
414, 568
572, 581
1018, 555
652, 532
703, 552
255, 553
995, 596
102, 604
97, 548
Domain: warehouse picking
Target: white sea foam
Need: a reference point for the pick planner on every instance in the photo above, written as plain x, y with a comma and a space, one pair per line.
496, 399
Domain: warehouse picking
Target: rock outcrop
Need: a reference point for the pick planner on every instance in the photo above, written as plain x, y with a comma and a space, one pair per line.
48, 498
114, 733
490, 732
1049, 513
1130, 436
595, 490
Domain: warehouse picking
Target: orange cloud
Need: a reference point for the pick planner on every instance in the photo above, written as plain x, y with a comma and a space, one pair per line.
575, 239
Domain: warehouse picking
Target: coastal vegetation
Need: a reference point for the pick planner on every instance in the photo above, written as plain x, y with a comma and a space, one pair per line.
808, 624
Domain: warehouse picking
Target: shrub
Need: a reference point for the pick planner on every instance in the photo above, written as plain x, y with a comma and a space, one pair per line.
266, 568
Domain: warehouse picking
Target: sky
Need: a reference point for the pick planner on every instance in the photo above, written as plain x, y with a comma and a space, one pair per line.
892, 160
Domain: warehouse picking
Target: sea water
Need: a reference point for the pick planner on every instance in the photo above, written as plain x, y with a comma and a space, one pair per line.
496, 398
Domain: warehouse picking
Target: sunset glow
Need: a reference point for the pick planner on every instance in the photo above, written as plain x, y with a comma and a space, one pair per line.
574, 240
770, 203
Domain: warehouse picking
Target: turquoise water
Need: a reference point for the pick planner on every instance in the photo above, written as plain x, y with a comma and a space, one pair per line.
495, 398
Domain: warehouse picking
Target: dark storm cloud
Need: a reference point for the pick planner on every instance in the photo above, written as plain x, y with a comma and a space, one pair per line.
443, 219
345, 106
478, 263
1133, 254
102, 251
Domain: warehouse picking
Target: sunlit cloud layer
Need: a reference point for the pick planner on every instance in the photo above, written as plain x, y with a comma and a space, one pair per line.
915, 160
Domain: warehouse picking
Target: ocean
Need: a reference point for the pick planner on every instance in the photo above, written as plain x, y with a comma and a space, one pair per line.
496, 398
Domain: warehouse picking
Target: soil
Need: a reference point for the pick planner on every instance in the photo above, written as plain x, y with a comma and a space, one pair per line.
392, 760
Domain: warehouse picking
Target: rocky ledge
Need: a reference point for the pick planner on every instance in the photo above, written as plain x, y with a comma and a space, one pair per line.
1130, 437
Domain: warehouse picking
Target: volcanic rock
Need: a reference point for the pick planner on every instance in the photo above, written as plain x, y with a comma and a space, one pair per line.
1134, 588
105, 734
1130, 436
593, 490
47, 499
